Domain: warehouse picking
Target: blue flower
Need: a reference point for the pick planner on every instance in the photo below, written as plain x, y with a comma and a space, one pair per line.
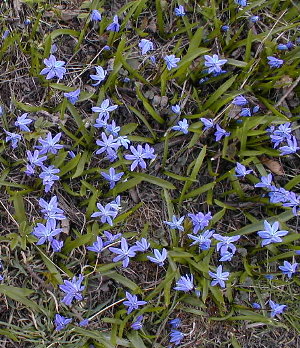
220, 132
225, 27
149, 152
158, 258
54, 68
113, 129
137, 156
146, 46
111, 237
137, 325
72, 289
72, 96
107, 144
104, 109
124, 253
239, 100
288, 268
276, 308
241, 2
48, 176
185, 283
282, 47
219, 277
57, 245
123, 141
112, 177
51, 210
208, 123
200, 221
241, 170
265, 181
176, 109
214, 63
96, 16
142, 245
176, 224
84, 323
179, 11
50, 144
275, 62
176, 337
171, 61
203, 240
132, 302
114, 26
61, 322
34, 159
254, 19
97, 246
225, 246
107, 213
245, 112
182, 126
271, 233
46, 232
175, 323
256, 305
13, 138
22, 122
291, 147
100, 75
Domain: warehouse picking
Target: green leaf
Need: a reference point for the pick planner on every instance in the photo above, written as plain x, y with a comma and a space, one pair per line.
154, 180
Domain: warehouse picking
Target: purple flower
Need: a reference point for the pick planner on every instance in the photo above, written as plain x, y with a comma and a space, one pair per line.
158, 258
57, 245
146, 46
291, 147
61, 322
138, 156
171, 61
51, 210
240, 100
182, 126
208, 123
132, 302
241, 170
200, 221
34, 159
100, 75
256, 305
124, 253
214, 63
225, 246
22, 122
111, 238
112, 177
265, 181
104, 109
176, 109
254, 19
288, 268
245, 112
54, 68
149, 152
114, 26
49, 144
96, 16
72, 96
142, 245
225, 27
48, 176
107, 213
203, 240
185, 283
276, 308
175, 323
137, 325
271, 233
46, 232
220, 132
13, 138
84, 323
123, 141
97, 246
179, 11
176, 337
275, 62
72, 289
176, 224
219, 277
107, 144
241, 2
113, 129
282, 47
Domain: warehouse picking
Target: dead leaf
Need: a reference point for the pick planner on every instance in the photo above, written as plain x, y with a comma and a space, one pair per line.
65, 226
274, 166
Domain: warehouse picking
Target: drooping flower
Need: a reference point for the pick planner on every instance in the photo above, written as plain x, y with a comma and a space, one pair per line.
61, 322
241, 170
114, 25
182, 126
137, 325
176, 337
97, 246
275, 62
146, 46
100, 75
220, 133
159, 257
179, 11
240, 100
96, 16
